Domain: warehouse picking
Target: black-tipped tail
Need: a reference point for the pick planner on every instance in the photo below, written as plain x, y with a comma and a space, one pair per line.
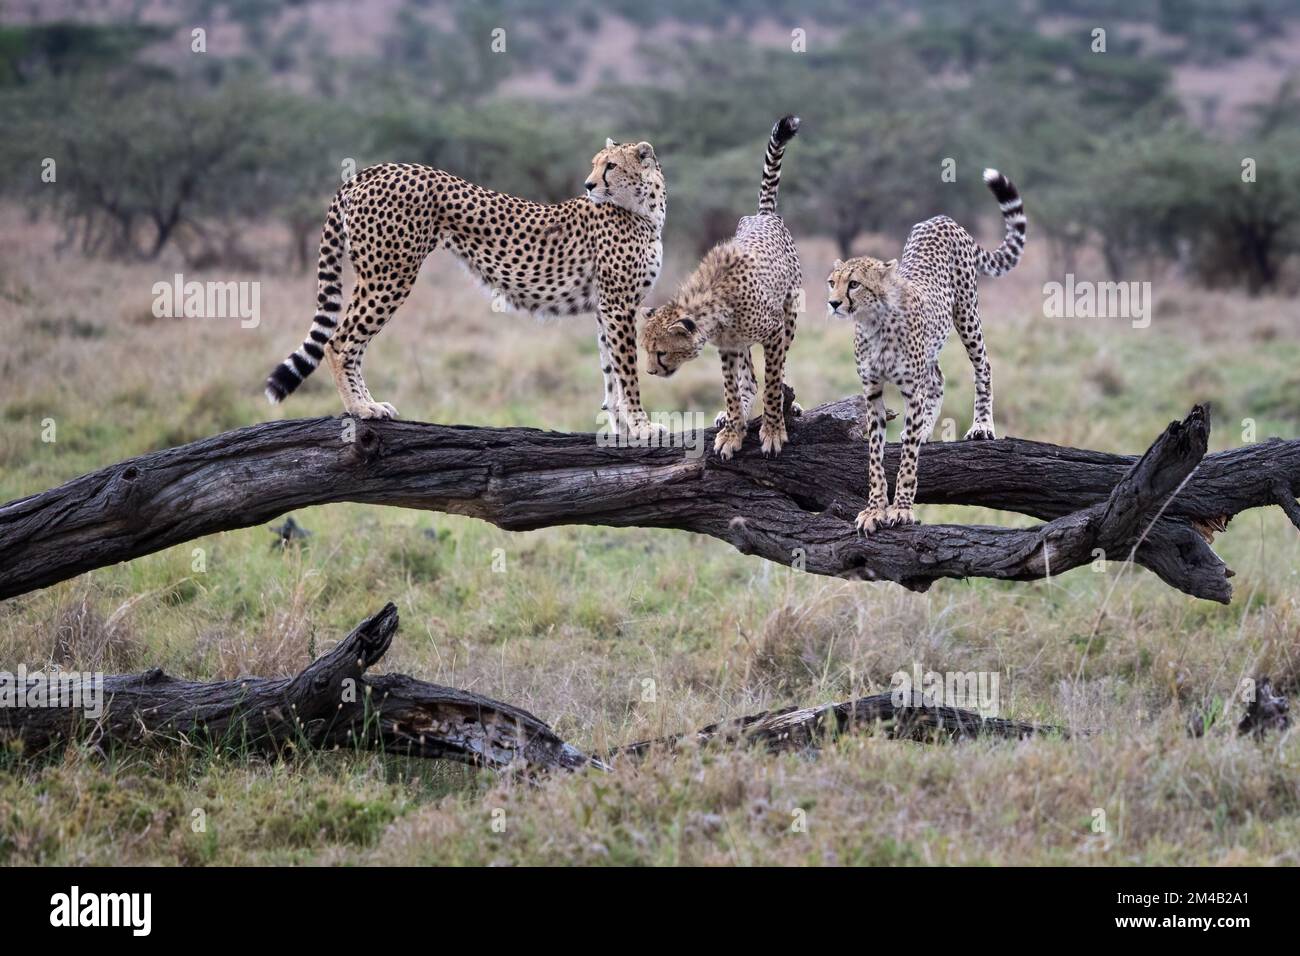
782, 133
282, 381
288, 375
1004, 258
785, 129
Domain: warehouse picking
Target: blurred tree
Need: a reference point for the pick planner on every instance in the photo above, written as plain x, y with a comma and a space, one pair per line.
540, 151
32, 53
1098, 143
137, 166
882, 170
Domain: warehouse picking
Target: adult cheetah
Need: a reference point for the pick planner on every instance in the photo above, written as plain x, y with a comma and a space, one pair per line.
745, 291
904, 312
601, 252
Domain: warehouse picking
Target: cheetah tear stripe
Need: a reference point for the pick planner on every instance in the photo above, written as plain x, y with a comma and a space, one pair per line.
782, 133
1004, 258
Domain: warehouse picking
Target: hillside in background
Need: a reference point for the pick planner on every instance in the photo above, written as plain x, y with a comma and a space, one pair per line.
1133, 143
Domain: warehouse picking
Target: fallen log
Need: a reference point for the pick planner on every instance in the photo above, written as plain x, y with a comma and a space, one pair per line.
1160, 510
331, 704
334, 704
900, 715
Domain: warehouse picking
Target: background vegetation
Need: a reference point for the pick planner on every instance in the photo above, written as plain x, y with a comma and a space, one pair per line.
220, 165
153, 135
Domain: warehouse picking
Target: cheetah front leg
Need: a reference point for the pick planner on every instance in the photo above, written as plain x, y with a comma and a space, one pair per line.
873, 515
617, 317
936, 403
731, 420
900, 512
611, 401
879, 513
746, 383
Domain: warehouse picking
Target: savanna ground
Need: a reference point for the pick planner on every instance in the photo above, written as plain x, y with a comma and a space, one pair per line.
580, 618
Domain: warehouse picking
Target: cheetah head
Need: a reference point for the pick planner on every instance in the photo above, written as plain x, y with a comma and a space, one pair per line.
858, 284
627, 175
670, 338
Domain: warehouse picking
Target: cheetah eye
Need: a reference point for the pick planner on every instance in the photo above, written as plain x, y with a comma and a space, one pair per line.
609, 166
854, 284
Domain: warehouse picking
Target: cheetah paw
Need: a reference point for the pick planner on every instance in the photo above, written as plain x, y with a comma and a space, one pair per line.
372, 410
869, 519
897, 517
772, 437
981, 432
727, 442
642, 430
873, 519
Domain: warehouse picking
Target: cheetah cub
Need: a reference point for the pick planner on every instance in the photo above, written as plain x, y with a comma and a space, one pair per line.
744, 292
903, 312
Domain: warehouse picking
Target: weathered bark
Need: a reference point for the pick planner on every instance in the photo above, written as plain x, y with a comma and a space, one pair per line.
330, 704
795, 509
334, 704
802, 728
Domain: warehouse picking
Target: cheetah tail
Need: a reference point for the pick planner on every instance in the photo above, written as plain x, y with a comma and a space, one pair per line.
288, 375
1004, 258
782, 133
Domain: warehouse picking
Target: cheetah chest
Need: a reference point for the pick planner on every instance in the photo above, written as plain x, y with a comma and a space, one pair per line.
887, 349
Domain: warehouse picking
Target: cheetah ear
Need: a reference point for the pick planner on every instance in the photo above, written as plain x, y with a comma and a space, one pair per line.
683, 327
839, 264
891, 263
609, 142
645, 152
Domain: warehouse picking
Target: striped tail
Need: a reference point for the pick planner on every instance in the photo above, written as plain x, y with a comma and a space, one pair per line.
288, 375
1004, 258
782, 133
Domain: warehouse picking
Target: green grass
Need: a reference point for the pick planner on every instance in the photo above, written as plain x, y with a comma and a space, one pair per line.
582, 618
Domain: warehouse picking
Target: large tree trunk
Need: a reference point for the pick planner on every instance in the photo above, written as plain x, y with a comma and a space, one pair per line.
796, 509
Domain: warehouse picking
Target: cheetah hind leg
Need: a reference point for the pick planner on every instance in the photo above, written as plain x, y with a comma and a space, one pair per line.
357, 400
966, 318
347, 348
